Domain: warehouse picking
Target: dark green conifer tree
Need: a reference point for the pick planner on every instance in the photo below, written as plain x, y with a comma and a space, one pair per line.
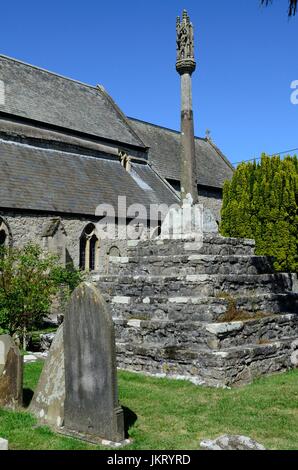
261, 202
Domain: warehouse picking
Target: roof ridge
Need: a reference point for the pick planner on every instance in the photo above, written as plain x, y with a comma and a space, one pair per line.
36, 67
164, 180
217, 149
160, 127
102, 90
100, 103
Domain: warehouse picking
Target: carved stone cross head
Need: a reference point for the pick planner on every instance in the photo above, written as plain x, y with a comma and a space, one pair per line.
185, 43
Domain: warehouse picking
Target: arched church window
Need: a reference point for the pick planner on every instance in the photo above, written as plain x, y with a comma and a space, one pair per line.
92, 252
2, 237
89, 249
83, 252
5, 237
114, 251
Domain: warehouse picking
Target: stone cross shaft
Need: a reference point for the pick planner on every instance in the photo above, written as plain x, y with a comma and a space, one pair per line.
185, 66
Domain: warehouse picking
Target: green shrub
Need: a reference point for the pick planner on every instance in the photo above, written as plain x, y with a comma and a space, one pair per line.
29, 280
261, 202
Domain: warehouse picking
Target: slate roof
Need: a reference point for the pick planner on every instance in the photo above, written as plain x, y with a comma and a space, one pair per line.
35, 177
34, 93
42, 179
213, 168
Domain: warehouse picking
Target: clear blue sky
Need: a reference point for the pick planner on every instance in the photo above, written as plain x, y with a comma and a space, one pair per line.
246, 57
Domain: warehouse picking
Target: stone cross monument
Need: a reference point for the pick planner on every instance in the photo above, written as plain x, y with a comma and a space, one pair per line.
185, 66
190, 219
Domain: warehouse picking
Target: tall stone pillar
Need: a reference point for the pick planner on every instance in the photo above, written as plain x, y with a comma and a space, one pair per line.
185, 66
191, 219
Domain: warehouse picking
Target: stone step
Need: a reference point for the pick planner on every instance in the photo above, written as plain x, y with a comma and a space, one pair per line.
190, 264
205, 309
215, 336
252, 332
197, 285
210, 245
174, 308
225, 368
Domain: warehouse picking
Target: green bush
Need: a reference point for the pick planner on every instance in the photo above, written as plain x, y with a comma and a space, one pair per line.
29, 281
261, 202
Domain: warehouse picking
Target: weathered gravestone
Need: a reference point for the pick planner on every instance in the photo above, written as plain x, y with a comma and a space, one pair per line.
48, 400
231, 442
11, 373
91, 395
3, 444
78, 385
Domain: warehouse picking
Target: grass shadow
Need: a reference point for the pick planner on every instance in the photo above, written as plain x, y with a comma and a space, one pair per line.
129, 419
27, 396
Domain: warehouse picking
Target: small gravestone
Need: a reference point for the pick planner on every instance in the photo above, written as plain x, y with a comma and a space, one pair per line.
91, 394
11, 373
48, 400
3, 444
231, 442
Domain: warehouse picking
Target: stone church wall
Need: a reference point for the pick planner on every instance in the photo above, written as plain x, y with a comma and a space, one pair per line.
212, 199
25, 227
30, 227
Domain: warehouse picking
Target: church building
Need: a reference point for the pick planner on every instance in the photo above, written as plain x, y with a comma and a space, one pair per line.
186, 302
66, 147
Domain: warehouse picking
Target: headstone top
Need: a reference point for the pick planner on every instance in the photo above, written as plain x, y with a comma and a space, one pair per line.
6, 342
48, 400
11, 373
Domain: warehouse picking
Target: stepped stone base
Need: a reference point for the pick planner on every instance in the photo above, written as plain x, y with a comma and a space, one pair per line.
233, 367
212, 312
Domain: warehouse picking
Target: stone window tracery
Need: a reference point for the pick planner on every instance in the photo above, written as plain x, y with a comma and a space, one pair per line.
89, 249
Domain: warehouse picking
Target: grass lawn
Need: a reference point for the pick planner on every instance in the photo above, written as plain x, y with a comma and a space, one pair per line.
167, 414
